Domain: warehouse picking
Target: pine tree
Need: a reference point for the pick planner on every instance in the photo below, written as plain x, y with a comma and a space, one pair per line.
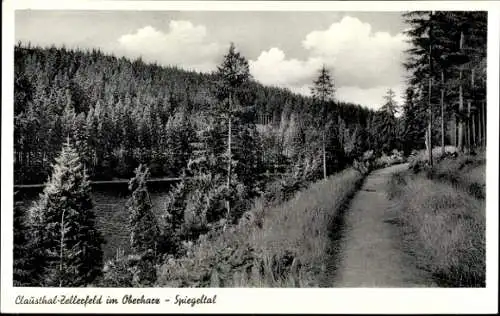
22, 256
390, 106
63, 225
385, 124
144, 231
143, 224
323, 91
233, 74
454, 44
413, 123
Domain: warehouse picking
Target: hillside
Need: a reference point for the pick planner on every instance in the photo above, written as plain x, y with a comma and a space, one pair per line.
125, 112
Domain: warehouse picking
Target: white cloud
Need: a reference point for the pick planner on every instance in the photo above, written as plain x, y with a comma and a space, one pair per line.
184, 44
272, 68
372, 98
359, 57
364, 64
369, 97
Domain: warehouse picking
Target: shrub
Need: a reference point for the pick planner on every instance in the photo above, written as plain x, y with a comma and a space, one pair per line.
129, 271
393, 158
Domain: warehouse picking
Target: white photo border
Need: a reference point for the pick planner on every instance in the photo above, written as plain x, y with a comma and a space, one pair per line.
259, 300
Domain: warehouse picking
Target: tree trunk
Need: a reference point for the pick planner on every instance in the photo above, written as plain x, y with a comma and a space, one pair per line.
460, 105
480, 127
470, 115
429, 128
324, 156
229, 154
474, 131
468, 133
483, 105
455, 131
430, 97
442, 113
61, 246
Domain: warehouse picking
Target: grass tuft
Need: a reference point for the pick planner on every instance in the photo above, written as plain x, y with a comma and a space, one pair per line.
444, 228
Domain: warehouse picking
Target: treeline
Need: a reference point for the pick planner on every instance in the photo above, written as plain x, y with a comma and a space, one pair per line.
446, 94
120, 113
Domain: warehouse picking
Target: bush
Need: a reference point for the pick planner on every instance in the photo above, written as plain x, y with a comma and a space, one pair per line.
395, 157
129, 271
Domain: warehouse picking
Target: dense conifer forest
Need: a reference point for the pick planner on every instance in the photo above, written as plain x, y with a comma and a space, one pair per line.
121, 112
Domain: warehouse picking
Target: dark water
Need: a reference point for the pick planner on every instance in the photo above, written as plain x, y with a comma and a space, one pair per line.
110, 208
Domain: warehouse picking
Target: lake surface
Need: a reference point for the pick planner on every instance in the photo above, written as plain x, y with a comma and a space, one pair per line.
111, 211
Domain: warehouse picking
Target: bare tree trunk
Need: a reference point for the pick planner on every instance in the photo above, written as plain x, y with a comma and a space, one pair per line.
460, 120
324, 156
483, 105
442, 113
430, 96
474, 131
229, 154
468, 129
471, 115
455, 131
61, 247
480, 127
429, 128
460, 104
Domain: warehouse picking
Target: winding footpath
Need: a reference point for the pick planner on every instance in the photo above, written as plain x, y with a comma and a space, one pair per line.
371, 253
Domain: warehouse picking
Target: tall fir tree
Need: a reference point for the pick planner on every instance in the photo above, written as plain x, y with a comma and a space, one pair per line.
235, 108
67, 242
142, 222
385, 124
413, 121
323, 91
144, 231
454, 44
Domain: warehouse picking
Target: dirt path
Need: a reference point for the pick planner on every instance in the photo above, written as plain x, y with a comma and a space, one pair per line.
371, 253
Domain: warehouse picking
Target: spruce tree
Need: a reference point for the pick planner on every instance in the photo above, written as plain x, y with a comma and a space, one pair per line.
323, 91
413, 120
22, 257
233, 77
67, 243
454, 44
385, 123
144, 232
143, 225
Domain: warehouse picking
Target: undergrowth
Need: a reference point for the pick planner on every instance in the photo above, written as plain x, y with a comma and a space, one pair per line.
274, 244
465, 172
442, 227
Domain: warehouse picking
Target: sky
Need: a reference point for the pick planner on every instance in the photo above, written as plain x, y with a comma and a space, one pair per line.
363, 50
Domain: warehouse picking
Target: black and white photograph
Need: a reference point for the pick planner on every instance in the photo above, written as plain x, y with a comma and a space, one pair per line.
249, 149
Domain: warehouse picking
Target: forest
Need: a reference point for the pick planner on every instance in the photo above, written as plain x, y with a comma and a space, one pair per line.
83, 115
122, 112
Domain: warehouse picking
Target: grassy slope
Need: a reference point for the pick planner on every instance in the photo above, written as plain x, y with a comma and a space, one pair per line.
282, 245
444, 228
465, 172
